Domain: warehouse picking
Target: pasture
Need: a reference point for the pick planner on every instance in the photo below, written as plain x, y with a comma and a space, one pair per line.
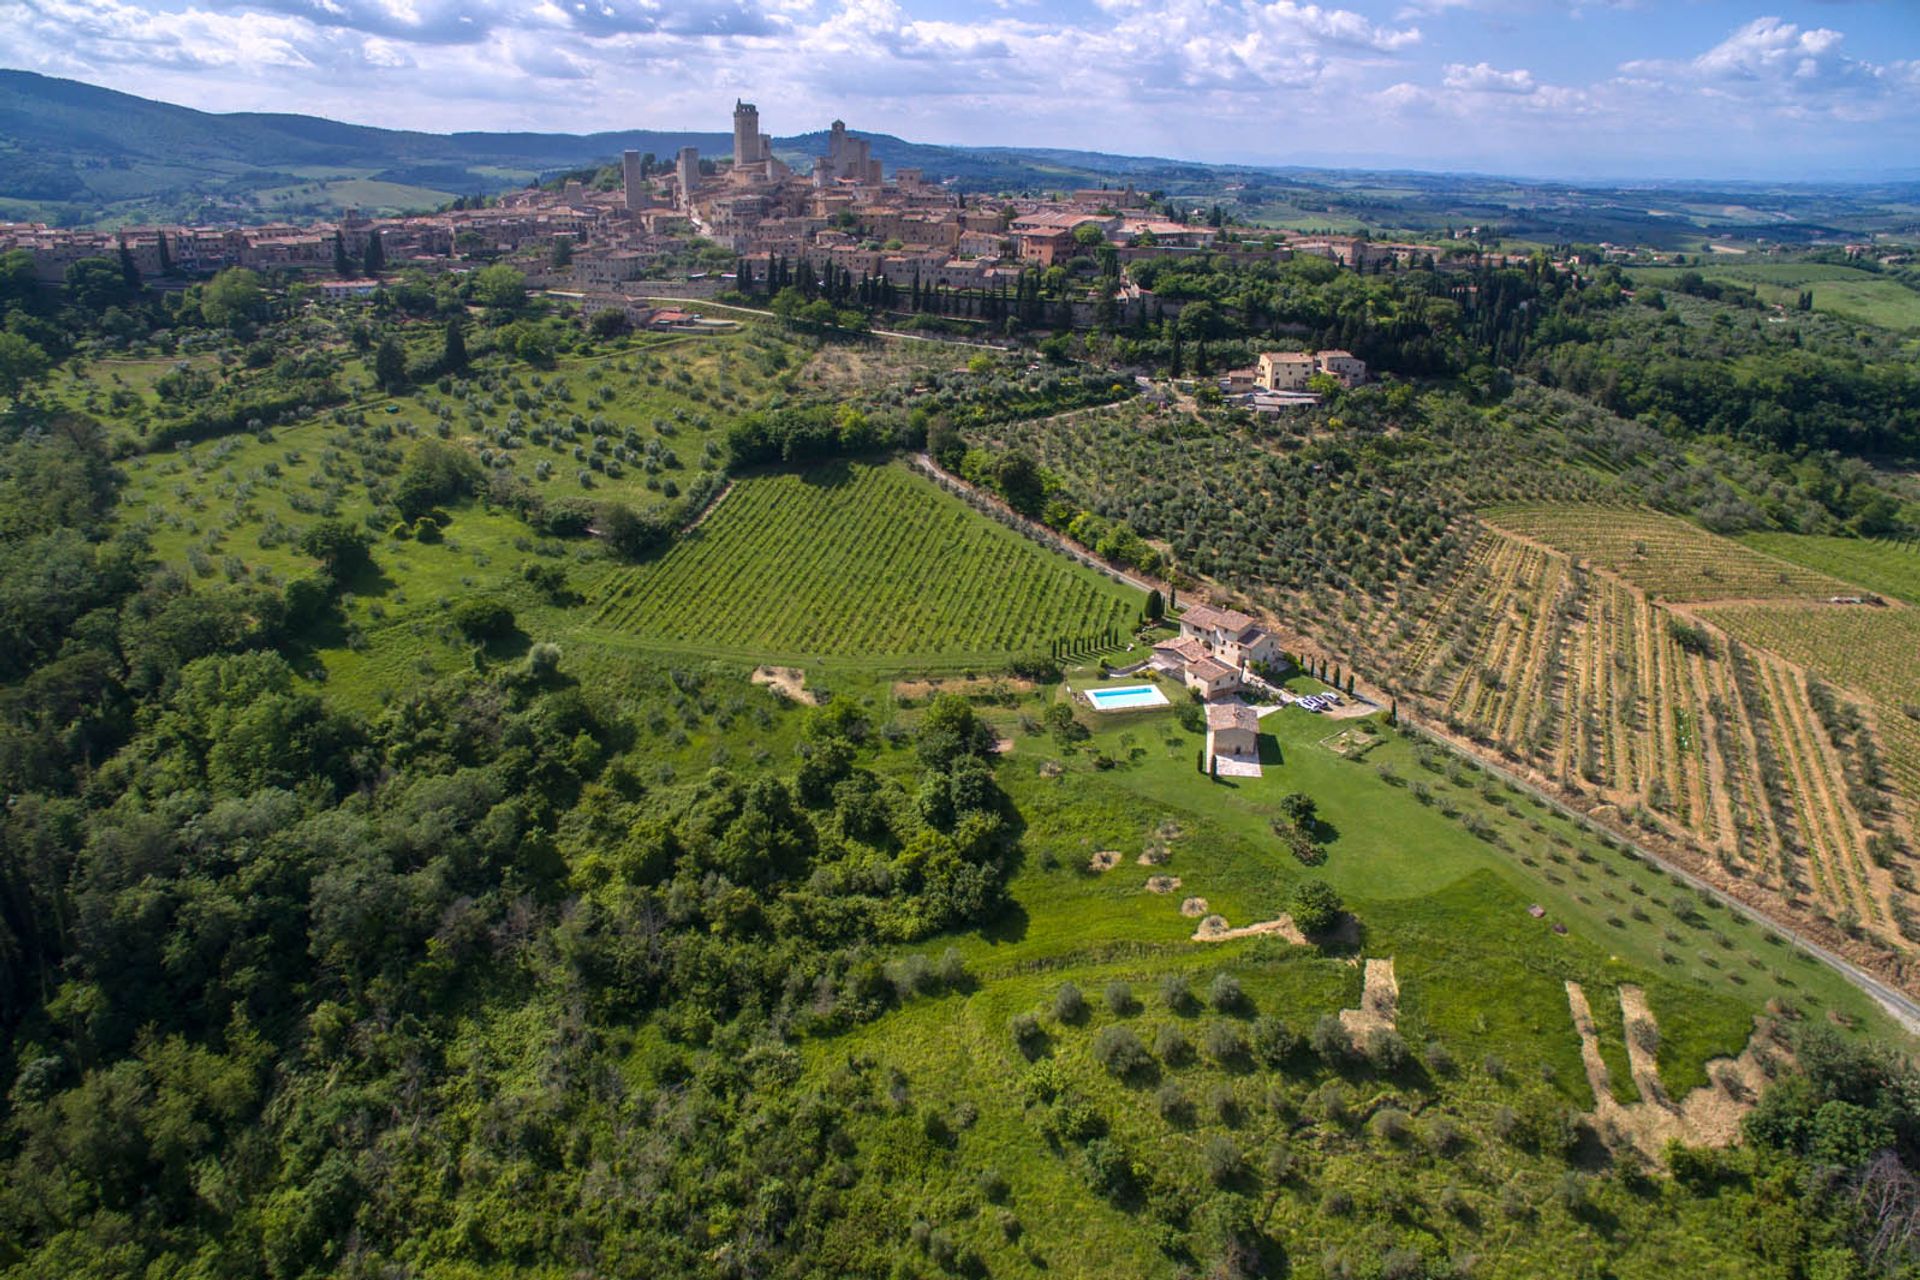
1850, 293
1661, 554
858, 561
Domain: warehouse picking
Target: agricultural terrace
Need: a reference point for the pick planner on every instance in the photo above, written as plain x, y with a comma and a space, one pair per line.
1871, 652
1613, 696
1663, 555
1850, 293
1886, 566
866, 561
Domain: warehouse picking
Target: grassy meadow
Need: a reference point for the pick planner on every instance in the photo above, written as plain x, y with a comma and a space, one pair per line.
1848, 292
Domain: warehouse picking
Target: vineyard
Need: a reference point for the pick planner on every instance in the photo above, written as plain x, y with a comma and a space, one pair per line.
1730, 747
1663, 555
1888, 566
866, 561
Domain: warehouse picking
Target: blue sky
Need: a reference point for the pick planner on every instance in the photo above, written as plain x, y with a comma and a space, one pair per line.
1574, 88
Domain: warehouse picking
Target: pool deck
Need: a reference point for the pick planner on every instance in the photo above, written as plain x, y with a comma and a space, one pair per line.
1137, 695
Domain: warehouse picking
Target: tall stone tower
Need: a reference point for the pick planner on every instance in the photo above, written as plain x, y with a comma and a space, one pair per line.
746, 134
688, 170
634, 183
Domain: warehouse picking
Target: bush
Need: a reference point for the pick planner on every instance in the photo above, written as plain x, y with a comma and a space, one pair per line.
952, 970
1390, 1124
1225, 995
1175, 993
1274, 1042
1120, 999
1330, 1039
1109, 1171
1171, 1101
1223, 1042
1386, 1050
1170, 1046
1315, 906
1120, 1051
1069, 1005
481, 620
1027, 1035
1221, 1157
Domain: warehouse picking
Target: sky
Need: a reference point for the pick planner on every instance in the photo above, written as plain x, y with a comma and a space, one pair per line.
1615, 89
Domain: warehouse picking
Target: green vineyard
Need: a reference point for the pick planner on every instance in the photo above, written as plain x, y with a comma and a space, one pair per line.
857, 561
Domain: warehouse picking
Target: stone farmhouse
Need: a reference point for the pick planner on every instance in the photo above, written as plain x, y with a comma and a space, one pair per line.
1233, 731
1214, 648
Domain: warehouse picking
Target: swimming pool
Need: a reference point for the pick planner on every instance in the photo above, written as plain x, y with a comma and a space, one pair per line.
1127, 699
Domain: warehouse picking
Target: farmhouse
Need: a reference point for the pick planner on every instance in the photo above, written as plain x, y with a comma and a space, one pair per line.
1234, 638
1211, 678
1233, 730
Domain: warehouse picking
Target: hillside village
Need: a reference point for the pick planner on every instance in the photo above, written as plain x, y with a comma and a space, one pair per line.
762, 222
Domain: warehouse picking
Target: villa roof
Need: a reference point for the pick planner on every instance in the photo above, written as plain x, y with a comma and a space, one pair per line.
1209, 668
1205, 615
1232, 715
1184, 647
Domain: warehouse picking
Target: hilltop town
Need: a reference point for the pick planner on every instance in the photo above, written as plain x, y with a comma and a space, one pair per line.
696, 226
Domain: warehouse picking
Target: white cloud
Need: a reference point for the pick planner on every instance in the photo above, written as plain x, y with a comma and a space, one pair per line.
1201, 78
1483, 78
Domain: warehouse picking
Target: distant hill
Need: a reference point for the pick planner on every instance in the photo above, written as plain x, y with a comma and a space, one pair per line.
77, 154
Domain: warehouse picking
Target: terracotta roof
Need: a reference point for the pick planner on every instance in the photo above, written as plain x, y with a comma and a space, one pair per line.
1205, 615
1184, 647
1232, 715
1209, 669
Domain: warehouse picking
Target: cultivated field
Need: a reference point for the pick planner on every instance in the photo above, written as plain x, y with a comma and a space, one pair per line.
1869, 651
1732, 749
1847, 292
1883, 565
1663, 555
850, 561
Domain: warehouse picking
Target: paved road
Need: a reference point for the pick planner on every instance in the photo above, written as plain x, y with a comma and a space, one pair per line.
1898, 1004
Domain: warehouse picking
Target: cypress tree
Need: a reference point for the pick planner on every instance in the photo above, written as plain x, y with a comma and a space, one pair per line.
453, 356
341, 267
375, 260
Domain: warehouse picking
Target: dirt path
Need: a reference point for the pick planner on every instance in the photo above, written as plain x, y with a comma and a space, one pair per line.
1214, 929
1379, 1002
1707, 1116
790, 681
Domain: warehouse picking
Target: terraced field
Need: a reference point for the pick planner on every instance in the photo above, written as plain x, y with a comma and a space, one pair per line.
1663, 555
866, 561
1723, 745
1869, 651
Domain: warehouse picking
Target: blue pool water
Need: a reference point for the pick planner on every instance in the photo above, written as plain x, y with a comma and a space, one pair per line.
1137, 695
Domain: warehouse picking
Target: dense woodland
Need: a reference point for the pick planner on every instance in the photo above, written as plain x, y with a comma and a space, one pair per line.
465, 986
